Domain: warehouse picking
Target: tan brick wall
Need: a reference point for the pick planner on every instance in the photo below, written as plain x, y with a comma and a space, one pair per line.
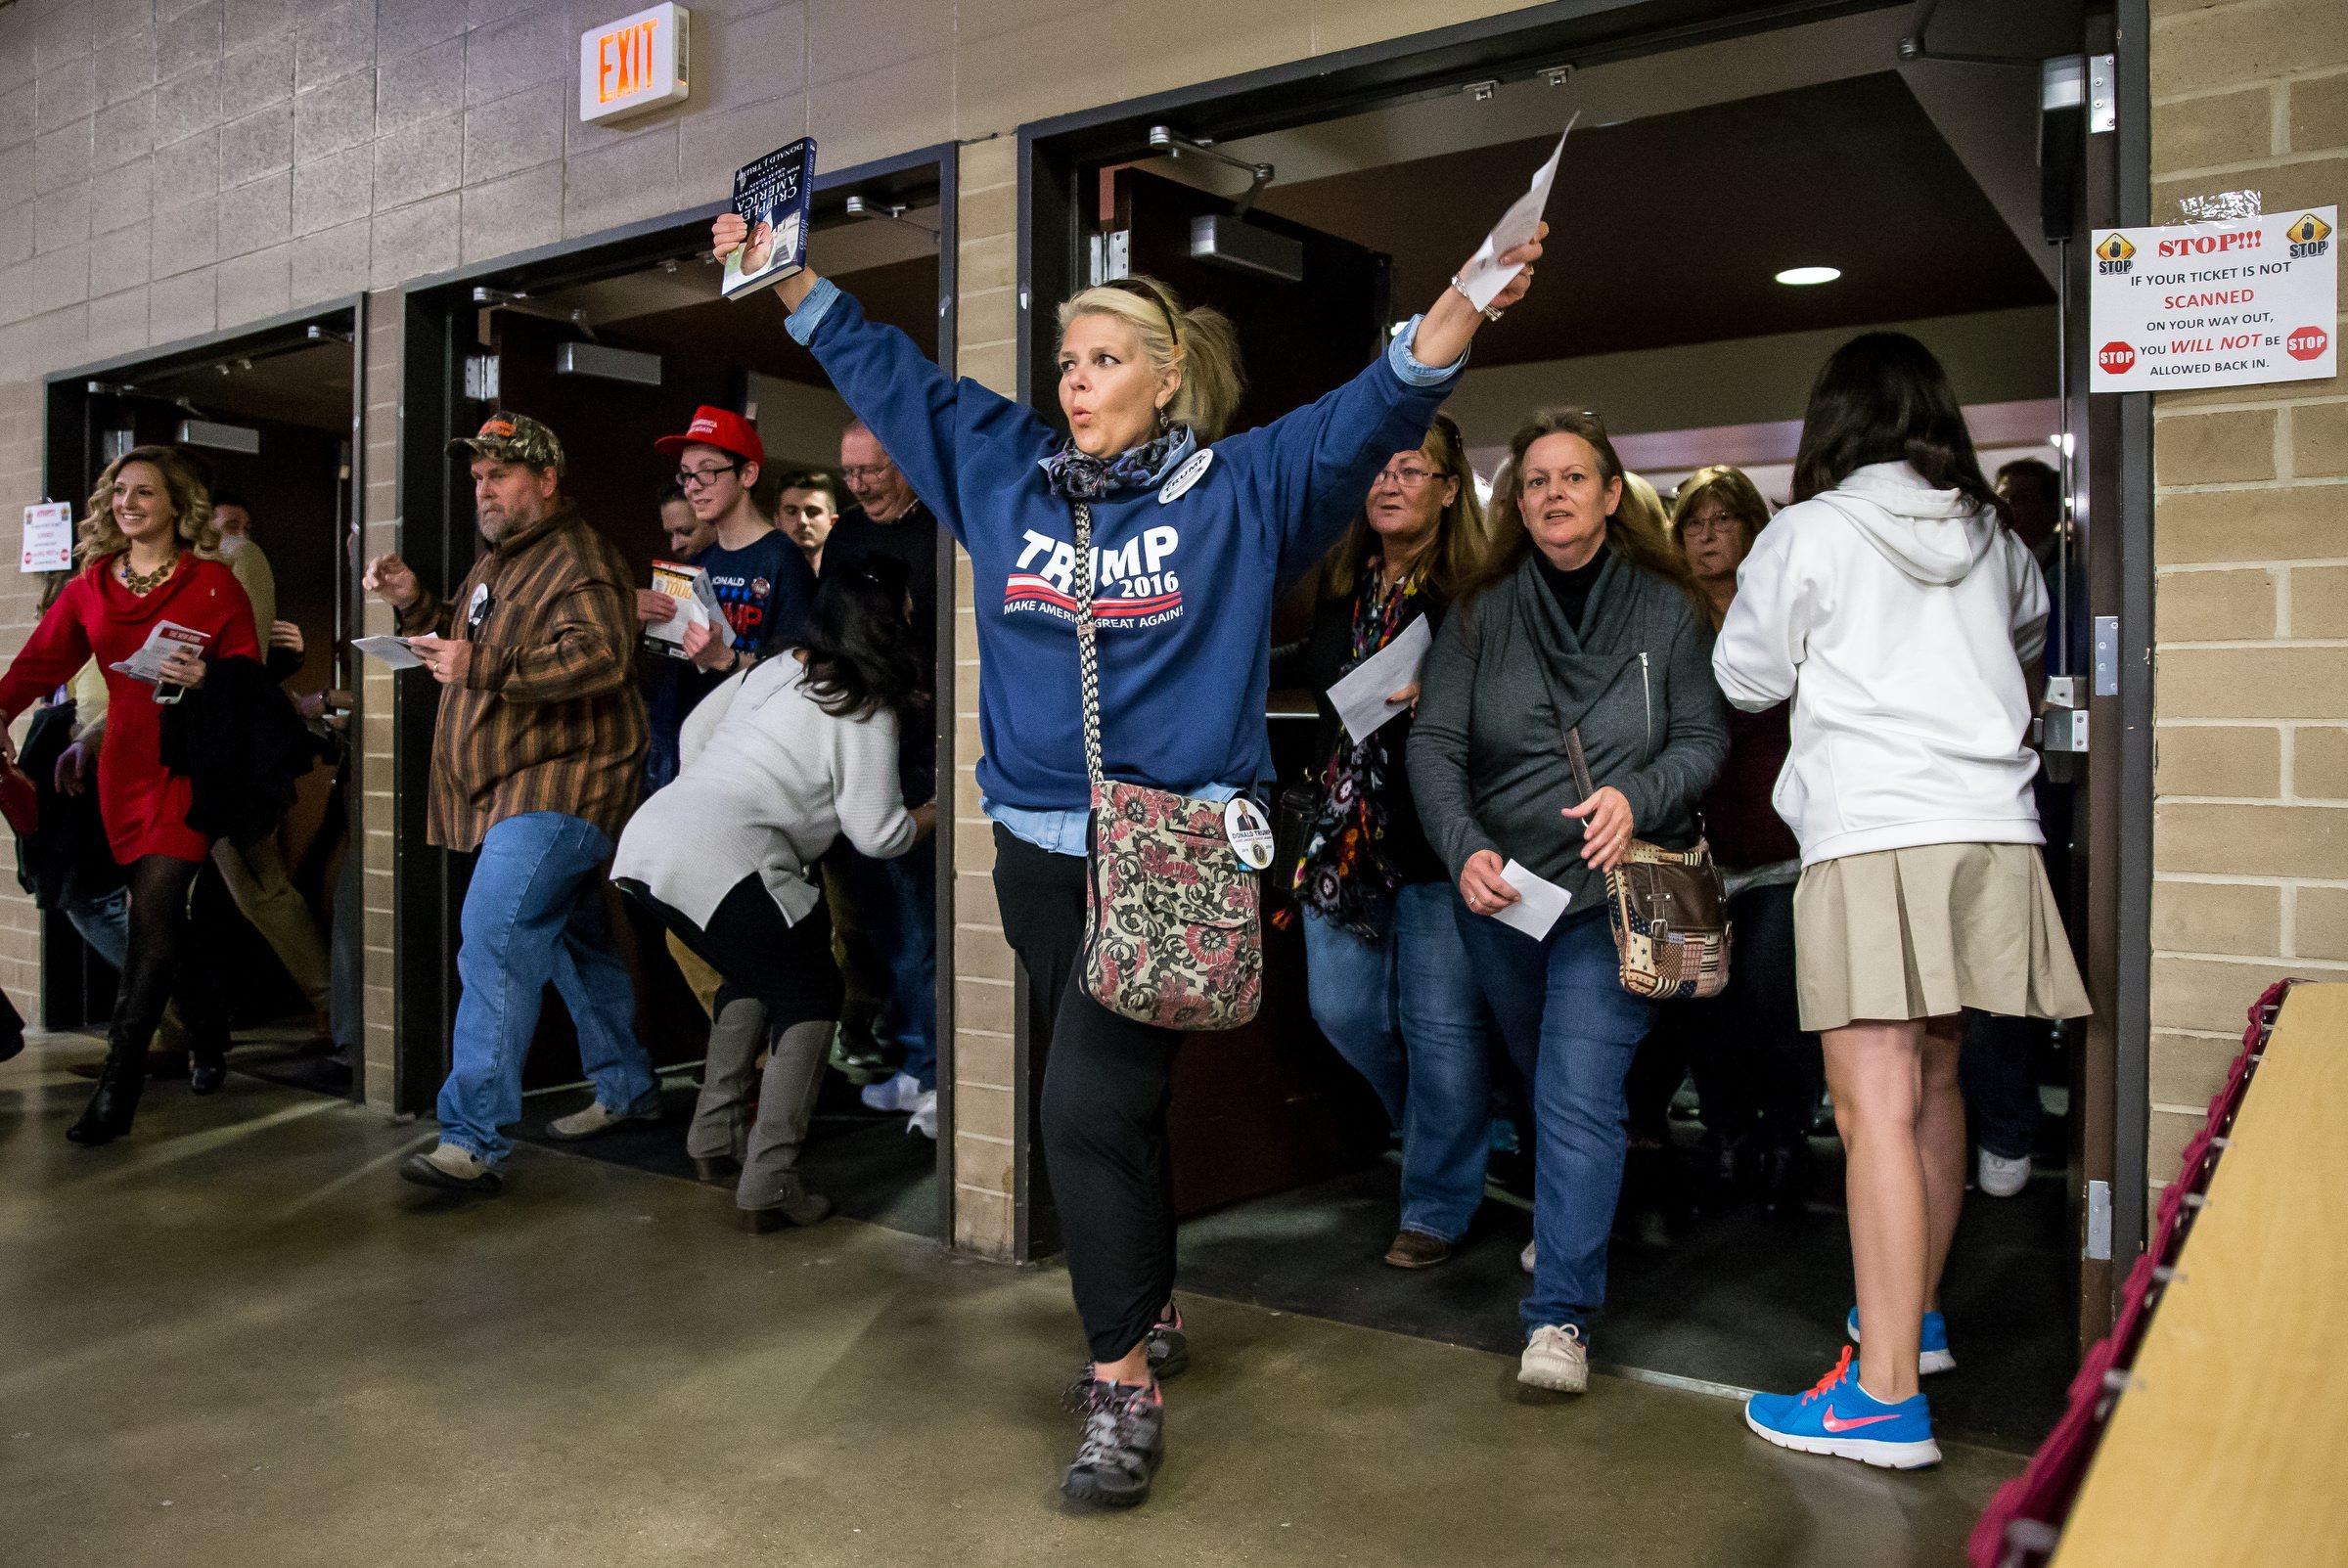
2251, 544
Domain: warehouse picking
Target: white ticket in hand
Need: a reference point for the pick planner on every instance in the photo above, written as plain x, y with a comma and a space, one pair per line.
391, 651
1483, 278
1360, 697
1539, 902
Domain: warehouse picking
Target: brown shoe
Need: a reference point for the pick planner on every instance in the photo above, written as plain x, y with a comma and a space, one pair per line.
1416, 1249
719, 1171
796, 1206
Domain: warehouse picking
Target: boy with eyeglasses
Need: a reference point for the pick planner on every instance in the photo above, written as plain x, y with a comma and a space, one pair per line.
762, 579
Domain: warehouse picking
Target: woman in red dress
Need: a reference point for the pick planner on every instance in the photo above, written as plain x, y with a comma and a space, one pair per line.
147, 555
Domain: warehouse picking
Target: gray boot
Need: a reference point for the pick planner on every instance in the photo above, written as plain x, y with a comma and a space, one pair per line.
719, 1135
770, 1187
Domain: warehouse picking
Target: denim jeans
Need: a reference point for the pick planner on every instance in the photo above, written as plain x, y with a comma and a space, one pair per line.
1573, 1030
534, 914
104, 923
1407, 1014
911, 949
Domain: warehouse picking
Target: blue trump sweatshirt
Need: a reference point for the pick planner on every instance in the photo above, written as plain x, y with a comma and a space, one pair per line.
1184, 572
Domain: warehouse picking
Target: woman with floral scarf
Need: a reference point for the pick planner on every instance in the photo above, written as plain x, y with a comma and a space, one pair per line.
1388, 979
1191, 533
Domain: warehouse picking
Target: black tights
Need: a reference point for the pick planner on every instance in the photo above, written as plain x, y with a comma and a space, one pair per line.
153, 974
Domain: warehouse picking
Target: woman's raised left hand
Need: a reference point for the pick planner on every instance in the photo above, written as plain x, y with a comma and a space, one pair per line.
1523, 256
1606, 819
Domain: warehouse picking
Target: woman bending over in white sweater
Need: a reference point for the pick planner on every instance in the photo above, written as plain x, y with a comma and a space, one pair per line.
777, 764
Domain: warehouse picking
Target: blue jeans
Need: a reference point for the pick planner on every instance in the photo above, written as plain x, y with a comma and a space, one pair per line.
104, 923
1573, 1030
912, 952
533, 913
1407, 1014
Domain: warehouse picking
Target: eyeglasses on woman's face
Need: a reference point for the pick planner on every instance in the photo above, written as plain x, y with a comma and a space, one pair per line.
696, 478
1707, 522
1407, 475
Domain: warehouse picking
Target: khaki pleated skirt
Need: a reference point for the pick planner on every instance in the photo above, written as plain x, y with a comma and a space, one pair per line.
1921, 932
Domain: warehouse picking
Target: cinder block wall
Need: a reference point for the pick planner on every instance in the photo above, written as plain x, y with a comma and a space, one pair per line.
2250, 539
169, 168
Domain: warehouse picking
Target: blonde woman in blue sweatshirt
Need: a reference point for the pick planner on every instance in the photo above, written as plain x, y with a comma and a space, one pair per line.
1196, 532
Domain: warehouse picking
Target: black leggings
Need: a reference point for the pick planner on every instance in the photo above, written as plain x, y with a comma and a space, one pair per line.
154, 971
1755, 1070
1107, 1080
789, 967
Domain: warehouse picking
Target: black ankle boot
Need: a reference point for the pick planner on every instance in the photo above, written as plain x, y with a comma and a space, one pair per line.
208, 1069
116, 1100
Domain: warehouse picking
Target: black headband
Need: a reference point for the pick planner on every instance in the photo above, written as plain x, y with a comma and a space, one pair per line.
1142, 291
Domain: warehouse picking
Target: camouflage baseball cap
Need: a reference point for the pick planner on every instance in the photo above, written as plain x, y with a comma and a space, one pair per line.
512, 439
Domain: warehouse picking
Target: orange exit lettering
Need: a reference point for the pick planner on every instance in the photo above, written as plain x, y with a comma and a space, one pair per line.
624, 61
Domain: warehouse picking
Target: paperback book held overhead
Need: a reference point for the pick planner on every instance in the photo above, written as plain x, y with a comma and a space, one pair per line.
772, 194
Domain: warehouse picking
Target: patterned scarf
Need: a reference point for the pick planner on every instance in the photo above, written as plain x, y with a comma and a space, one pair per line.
1076, 475
1346, 872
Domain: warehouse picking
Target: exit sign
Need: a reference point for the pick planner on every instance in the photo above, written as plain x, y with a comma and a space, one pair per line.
635, 64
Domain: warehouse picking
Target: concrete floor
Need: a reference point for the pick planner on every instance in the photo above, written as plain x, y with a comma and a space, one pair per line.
237, 1339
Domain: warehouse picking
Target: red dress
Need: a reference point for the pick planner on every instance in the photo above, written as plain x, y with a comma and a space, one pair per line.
145, 808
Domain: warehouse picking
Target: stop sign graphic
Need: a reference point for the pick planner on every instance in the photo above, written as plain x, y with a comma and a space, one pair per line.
2116, 357
2306, 343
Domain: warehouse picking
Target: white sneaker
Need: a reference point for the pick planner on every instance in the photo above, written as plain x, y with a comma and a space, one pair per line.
923, 1119
897, 1092
2000, 1177
1530, 1255
595, 1121
1555, 1358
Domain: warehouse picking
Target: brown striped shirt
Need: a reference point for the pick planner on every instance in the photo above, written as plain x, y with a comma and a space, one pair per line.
548, 717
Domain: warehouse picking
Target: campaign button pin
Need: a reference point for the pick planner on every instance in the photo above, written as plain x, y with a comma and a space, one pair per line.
1249, 831
1188, 474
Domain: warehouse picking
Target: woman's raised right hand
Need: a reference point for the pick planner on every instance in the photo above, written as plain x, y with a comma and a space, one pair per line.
728, 235
1483, 887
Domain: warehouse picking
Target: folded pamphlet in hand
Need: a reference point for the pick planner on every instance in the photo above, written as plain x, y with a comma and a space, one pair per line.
1483, 278
393, 651
696, 605
1360, 697
773, 194
1539, 902
164, 640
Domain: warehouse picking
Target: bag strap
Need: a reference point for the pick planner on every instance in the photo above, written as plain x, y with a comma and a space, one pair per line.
1581, 765
1088, 660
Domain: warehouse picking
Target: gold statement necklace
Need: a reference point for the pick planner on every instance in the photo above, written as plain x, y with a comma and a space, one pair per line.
142, 583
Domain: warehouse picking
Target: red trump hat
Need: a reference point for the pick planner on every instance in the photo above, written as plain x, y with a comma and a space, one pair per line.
720, 427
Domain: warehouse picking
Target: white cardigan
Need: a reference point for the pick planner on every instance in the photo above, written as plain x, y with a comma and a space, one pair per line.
769, 780
1899, 619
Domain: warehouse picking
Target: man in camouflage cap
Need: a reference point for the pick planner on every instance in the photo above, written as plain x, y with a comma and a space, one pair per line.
537, 756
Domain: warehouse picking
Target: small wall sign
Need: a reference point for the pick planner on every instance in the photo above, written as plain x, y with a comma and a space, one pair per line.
640, 62
2238, 303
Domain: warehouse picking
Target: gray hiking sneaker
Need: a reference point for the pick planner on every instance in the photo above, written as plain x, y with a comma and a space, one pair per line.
1170, 1346
1124, 1443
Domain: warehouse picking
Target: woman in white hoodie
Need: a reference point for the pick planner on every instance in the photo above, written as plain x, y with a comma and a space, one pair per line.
1897, 614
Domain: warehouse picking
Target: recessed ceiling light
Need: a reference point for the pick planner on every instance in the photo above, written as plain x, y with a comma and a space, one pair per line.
1802, 276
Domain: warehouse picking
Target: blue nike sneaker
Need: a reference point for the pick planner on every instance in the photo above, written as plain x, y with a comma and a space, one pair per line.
1932, 1350
1840, 1418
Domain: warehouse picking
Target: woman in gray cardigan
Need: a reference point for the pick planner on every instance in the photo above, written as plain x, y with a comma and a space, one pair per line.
1589, 623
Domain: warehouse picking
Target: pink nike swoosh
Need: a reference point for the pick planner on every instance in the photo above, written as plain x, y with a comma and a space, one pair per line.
1835, 1423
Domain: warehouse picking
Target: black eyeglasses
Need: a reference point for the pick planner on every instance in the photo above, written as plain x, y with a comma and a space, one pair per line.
694, 478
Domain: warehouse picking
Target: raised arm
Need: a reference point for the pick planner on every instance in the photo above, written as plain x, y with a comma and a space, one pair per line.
1323, 455
923, 417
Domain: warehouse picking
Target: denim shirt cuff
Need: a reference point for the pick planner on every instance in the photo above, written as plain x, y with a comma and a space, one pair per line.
1407, 368
802, 321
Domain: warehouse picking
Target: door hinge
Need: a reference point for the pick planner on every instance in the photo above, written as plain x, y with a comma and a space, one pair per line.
1108, 257
2102, 94
2108, 656
2099, 1221
480, 377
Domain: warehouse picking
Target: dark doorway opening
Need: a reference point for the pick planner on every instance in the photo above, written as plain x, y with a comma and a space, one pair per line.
267, 415
613, 341
1707, 160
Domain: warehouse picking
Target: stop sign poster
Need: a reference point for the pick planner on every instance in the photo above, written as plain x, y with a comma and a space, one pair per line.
2217, 304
